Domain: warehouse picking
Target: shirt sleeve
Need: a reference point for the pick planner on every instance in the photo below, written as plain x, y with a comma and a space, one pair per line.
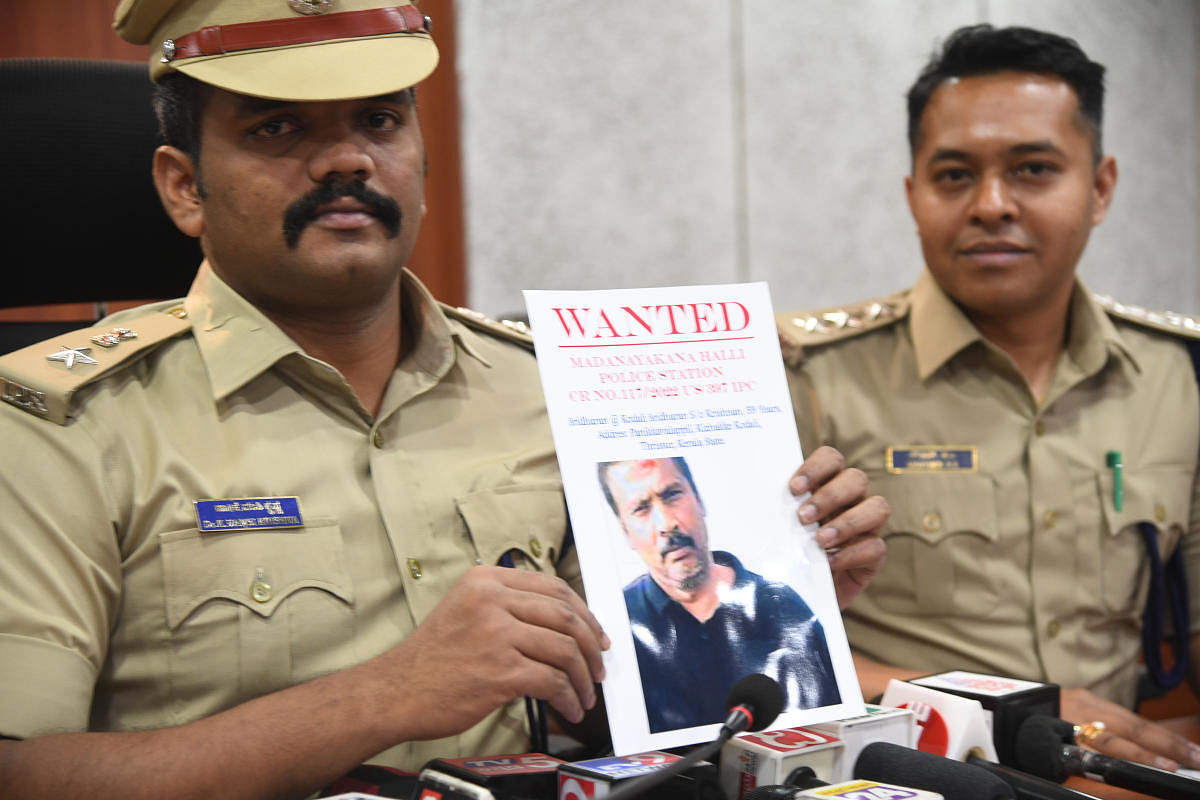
60, 576
806, 405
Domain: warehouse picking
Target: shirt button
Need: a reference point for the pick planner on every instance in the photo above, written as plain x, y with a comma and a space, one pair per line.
1049, 518
1160, 512
1052, 628
932, 522
377, 438
1039, 427
414, 569
535, 547
260, 590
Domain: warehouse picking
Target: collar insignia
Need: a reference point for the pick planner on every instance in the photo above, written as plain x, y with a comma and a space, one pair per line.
113, 336
70, 355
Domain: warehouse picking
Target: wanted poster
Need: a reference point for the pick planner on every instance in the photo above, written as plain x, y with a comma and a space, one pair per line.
675, 437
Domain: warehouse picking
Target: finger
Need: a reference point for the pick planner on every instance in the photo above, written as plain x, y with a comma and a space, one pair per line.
1117, 746
560, 694
821, 465
561, 619
864, 519
1128, 735
1154, 743
841, 492
558, 589
863, 556
567, 685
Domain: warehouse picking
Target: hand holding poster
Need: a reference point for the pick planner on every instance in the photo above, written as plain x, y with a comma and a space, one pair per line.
675, 438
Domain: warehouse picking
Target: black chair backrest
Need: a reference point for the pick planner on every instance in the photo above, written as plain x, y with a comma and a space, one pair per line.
80, 218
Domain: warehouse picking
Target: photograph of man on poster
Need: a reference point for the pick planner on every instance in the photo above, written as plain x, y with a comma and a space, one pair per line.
700, 620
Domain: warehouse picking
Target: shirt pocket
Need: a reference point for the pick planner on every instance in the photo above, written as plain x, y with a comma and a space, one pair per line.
527, 521
942, 539
269, 607
1160, 496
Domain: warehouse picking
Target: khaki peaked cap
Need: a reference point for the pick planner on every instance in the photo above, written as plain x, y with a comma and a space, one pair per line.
285, 49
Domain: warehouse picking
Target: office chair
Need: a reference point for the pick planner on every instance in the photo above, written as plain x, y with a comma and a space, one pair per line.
80, 220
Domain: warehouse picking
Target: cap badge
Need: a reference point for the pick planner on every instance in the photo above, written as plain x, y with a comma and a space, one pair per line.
168, 51
69, 355
310, 7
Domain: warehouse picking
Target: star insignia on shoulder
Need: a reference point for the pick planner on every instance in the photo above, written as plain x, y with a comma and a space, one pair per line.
71, 355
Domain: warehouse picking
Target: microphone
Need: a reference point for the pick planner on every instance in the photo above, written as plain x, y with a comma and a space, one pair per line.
490, 778
1046, 747
955, 724
891, 763
803, 784
1006, 702
827, 748
1026, 786
754, 702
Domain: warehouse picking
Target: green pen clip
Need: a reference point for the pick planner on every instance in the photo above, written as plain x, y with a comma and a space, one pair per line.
1113, 460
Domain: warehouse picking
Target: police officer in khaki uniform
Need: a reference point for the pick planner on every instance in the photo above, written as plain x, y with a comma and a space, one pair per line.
251, 538
992, 403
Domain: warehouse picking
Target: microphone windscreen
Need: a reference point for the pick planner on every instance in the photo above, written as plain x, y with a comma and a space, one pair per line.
762, 694
890, 763
1039, 745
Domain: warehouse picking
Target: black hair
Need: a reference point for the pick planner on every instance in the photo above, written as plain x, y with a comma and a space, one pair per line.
984, 50
602, 473
179, 105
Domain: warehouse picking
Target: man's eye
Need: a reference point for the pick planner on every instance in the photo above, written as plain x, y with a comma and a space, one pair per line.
383, 120
1035, 169
274, 128
952, 175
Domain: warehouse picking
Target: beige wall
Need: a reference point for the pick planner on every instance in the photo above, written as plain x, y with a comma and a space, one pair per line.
723, 140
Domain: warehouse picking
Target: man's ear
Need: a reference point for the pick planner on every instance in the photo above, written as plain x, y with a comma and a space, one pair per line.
1104, 183
176, 182
908, 194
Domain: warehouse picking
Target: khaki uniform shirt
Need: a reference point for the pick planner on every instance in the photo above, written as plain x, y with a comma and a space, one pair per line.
117, 613
1006, 554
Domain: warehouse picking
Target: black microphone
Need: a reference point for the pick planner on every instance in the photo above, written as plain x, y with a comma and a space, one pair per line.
754, 702
1046, 747
891, 763
1026, 786
803, 784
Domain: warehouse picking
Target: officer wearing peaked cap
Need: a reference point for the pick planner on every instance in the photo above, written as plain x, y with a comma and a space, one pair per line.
1037, 444
251, 536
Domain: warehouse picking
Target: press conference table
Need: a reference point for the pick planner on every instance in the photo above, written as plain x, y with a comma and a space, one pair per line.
1188, 726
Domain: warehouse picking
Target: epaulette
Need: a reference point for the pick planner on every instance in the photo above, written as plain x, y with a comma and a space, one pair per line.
510, 330
799, 330
1184, 325
42, 378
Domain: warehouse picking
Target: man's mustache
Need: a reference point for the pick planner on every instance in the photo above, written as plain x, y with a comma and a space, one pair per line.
304, 210
676, 540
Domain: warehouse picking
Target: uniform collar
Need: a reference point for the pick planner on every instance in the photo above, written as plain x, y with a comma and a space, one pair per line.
940, 330
1094, 339
238, 342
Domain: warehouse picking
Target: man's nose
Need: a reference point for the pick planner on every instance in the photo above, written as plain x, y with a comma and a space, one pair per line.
662, 521
341, 159
993, 202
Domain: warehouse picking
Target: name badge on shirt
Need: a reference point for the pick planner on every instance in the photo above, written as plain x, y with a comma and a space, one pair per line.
934, 458
248, 514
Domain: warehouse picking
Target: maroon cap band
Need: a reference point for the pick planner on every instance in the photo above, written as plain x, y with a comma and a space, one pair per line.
217, 39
